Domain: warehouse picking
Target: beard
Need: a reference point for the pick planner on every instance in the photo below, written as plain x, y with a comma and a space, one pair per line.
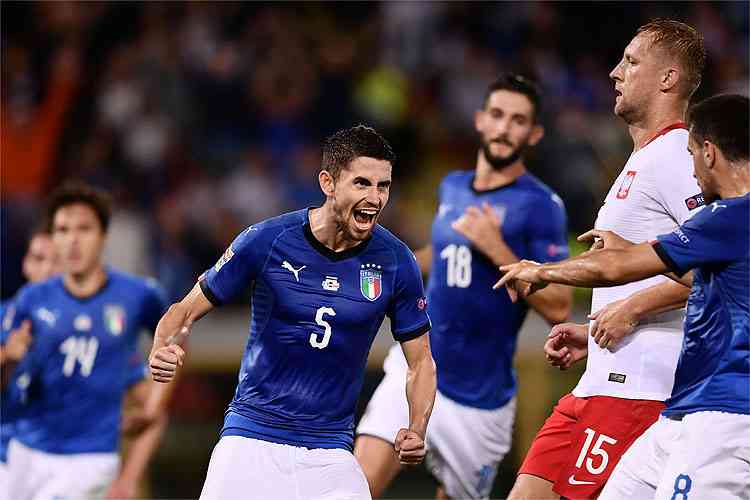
499, 162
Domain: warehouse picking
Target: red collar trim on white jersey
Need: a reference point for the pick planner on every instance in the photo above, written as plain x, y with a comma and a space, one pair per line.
664, 131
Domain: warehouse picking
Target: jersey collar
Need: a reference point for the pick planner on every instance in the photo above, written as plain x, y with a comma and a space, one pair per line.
664, 131
327, 252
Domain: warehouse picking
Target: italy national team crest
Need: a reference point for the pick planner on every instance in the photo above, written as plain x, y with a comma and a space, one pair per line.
370, 281
114, 319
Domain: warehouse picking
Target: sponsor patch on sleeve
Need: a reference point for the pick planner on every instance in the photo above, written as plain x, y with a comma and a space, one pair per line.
695, 201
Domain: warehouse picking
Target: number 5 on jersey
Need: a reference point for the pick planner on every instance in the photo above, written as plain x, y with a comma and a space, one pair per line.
322, 343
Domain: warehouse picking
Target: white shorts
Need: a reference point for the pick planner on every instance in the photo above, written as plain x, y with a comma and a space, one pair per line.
246, 468
37, 475
464, 444
4, 481
706, 455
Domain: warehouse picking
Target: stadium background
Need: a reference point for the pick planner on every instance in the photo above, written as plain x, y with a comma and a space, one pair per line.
202, 118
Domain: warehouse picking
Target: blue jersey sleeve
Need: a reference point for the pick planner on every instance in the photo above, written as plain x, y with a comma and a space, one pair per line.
239, 266
716, 234
7, 311
154, 305
548, 231
408, 308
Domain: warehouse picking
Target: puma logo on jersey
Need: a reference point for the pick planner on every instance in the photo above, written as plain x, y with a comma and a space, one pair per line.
572, 480
716, 205
286, 265
47, 316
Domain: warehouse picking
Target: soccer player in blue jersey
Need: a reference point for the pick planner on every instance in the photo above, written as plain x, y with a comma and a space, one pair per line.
323, 279
699, 447
487, 217
85, 323
39, 263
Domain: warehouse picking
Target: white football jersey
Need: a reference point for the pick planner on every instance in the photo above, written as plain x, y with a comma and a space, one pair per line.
654, 193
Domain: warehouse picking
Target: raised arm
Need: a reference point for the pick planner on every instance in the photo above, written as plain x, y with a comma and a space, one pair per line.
172, 330
421, 384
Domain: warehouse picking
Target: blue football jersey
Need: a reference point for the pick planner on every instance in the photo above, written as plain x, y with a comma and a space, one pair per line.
713, 373
474, 327
14, 394
81, 360
315, 313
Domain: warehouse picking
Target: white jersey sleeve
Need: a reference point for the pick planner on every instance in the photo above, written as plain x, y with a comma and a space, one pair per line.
650, 197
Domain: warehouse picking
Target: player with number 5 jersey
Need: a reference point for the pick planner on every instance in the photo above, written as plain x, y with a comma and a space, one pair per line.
323, 279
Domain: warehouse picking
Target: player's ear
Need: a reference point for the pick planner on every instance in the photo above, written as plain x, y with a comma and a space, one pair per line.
327, 183
709, 154
537, 132
478, 114
669, 79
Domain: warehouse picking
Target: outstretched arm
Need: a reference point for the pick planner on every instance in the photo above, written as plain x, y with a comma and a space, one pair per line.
172, 330
601, 268
421, 384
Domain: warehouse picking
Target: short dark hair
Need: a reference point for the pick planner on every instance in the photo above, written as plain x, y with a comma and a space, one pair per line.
79, 192
684, 43
520, 84
343, 147
723, 120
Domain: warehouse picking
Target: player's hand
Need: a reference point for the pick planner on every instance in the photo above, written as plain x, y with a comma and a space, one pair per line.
612, 323
410, 447
164, 362
122, 488
566, 344
601, 239
482, 227
18, 342
521, 279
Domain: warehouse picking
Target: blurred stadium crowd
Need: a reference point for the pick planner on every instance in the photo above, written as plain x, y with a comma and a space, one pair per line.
203, 117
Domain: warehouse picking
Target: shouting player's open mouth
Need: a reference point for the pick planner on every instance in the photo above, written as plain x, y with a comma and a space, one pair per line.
364, 218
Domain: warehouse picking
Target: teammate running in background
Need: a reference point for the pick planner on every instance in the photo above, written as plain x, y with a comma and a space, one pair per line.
85, 325
39, 263
621, 392
487, 217
323, 281
700, 446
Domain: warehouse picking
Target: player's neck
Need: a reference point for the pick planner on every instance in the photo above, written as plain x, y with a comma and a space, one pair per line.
85, 284
487, 177
736, 182
657, 119
326, 231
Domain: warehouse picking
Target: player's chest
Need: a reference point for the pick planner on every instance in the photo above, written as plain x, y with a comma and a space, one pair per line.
509, 210
68, 327
354, 290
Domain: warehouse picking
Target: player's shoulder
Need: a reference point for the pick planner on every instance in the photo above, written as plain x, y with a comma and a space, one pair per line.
383, 237
458, 178
129, 281
539, 192
269, 229
668, 153
40, 290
